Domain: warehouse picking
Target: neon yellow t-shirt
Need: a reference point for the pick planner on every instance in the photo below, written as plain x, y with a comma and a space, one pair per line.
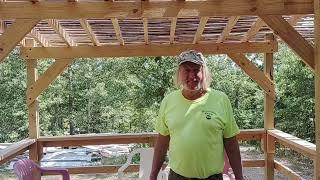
196, 130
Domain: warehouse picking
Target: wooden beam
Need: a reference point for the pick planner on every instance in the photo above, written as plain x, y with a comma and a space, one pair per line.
145, 30
173, 29
15, 149
32, 76
269, 148
255, 74
33, 114
146, 50
286, 171
152, 9
202, 25
289, 35
86, 26
226, 31
302, 146
117, 30
14, 34
317, 86
34, 90
54, 24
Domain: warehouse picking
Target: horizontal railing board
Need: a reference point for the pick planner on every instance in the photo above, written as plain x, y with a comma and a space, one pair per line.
135, 168
302, 146
100, 139
15, 149
286, 171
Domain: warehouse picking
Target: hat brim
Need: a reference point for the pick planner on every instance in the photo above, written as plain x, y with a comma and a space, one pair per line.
191, 60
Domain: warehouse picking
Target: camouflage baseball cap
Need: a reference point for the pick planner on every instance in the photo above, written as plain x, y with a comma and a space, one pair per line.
191, 56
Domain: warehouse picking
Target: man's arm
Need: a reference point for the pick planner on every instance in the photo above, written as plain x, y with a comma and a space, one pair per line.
231, 146
160, 151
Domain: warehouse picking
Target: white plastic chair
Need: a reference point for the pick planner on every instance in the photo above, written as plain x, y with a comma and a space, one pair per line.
146, 156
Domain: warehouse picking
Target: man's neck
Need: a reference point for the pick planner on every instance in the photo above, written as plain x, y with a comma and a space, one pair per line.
193, 94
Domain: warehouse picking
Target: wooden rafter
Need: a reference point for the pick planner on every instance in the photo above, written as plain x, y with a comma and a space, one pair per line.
117, 29
294, 19
14, 34
260, 23
289, 35
60, 31
1, 26
23, 42
202, 25
258, 76
151, 9
145, 30
253, 30
146, 50
231, 23
43, 81
86, 26
39, 38
173, 29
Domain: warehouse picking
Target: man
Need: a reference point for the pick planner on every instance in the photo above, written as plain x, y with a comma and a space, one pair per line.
197, 124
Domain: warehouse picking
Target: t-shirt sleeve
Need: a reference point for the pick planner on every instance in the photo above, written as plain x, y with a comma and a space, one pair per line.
231, 128
161, 124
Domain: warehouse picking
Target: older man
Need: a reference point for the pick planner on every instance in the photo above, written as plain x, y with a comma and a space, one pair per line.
197, 123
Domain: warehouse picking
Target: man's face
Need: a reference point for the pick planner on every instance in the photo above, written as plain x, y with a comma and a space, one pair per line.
191, 75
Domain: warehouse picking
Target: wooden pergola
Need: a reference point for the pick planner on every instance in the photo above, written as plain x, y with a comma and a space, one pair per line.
65, 30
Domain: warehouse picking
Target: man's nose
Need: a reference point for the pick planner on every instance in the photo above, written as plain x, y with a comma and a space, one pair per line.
192, 75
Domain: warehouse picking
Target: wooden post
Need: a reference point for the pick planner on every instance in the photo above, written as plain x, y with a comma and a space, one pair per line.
269, 143
33, 114
317, 85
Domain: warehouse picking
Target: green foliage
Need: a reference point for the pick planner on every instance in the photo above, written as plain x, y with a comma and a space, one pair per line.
245, 95
13, 111
122, 95
295, 92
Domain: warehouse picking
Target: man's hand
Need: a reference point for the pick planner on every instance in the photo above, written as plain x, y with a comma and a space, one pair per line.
233, 152
160, 151
153, 177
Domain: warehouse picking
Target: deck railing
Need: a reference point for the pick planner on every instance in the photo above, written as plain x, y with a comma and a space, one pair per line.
305, 148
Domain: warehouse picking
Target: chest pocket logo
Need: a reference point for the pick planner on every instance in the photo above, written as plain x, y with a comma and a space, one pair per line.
208, 114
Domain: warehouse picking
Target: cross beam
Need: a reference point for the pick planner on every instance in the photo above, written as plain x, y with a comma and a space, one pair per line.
151, 9
146, 50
